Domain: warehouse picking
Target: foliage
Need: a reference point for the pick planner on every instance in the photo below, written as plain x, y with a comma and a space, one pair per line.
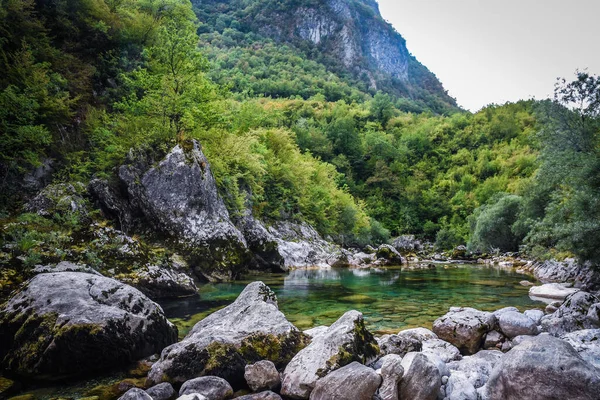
491, 225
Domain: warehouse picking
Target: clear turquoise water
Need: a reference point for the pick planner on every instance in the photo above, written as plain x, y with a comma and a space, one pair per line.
391, 299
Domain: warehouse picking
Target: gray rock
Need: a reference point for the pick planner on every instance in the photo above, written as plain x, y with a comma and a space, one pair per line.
262, 376
178, 196
535, 314
557, 291
64, 266
316, 331
391, 373
222, 344
421, 380
444, 350
493, 339
62, 198
346, 338
439, 363
460, 388
465, 328
192, 396
572, 315
268, 395
390, 255
160, 282
407, 244
261, 243
70, 323
162, 391
501, 311
421, 334
587, 343
394, 344
478, 368
211, 387
543, 367
513, 323
135, 394
112, 205
353, 381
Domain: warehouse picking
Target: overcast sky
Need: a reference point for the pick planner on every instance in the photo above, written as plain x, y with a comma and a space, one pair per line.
487, 51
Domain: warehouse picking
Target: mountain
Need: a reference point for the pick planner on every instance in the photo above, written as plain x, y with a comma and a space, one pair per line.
348, 37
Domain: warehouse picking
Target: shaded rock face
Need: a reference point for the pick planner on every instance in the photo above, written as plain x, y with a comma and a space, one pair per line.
578, 311
249, 330
261, 243
396, 344
178, 196
407, 244
158, 283
353, 381
421, 380
70, 323
345, 341
585, 276
543, 367
465, 328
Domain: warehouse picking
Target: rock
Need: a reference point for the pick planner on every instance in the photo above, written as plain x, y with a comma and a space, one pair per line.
62, 198
353, 381
543, 367
71, 323
250, 329
162, 391
478, 368
316, 331
584, 275
160, 282
459, 387
178, 196
439, 363
112, 205
345, 341
301, 246
465, 328
395, 344
262, 376
261, 243
557, 291
572, 315
514, 323
535, 314
211, 387
493, 339
64, 266
192, 396
268, 395
526, 283
135, 394
551, 308
501, 311
587, 343
421, 380
444, 350
407, 244
391, 373
390, 255
421, 334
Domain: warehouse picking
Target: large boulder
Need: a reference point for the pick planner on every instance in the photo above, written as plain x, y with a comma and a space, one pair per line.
211, 387
421, 380
513, 324
159, 282
353, 381
587, 343
72, 323
345, 341
178, 196
552, 291
465, 328
396, 344
407, 244
250, 329
543, 367
391, 374
261, 243
389, 255
577, 312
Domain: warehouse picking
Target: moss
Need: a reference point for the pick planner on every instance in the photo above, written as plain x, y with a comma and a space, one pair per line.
28, 396
6, 386
277, 349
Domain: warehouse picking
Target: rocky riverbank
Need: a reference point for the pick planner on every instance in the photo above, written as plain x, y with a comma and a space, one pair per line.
69, 323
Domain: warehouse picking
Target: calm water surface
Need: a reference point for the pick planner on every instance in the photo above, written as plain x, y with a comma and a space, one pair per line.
391, 299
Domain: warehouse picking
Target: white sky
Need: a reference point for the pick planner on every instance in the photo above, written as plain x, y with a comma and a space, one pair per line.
488, 51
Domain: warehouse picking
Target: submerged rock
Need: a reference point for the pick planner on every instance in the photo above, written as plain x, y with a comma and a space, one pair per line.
465, 328
553, 291
70, 323
353, 381
543, 367
179, 197
249, 330
345, 341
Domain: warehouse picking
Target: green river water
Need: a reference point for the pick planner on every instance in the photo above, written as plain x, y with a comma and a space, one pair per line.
391, 299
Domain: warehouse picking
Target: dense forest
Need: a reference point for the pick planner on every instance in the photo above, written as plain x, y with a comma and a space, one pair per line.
85, 81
